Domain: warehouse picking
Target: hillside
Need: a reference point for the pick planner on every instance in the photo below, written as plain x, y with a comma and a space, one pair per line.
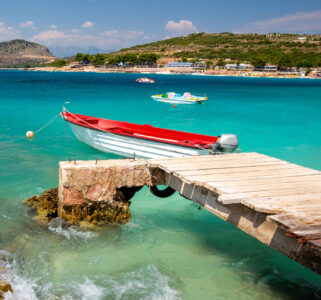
22, 53
285, 50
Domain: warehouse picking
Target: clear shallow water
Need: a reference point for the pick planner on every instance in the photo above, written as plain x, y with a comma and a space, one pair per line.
170, 249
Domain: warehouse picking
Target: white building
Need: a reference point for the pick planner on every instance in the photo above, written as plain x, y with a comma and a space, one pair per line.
230, 66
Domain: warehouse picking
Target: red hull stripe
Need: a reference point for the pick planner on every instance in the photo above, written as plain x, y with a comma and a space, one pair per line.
146, 132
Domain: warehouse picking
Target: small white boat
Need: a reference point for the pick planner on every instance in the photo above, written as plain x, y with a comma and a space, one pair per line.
145, 80
145, 141
186, 98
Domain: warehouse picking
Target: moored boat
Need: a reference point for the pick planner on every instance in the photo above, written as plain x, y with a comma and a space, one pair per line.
145, 80
145, 141
186, 98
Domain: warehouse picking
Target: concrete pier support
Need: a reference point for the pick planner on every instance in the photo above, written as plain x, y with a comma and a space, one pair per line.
94, 191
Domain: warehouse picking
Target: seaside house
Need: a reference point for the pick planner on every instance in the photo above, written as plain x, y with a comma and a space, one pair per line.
200, 65
267, 68
179, 65
231, 67
245, 67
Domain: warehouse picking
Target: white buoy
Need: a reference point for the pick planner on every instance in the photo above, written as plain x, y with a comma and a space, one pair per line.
29, 134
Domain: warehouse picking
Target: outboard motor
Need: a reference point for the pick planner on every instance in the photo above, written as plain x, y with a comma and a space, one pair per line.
226, 143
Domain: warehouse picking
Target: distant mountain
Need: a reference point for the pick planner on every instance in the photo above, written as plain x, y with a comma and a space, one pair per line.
60, 51
22, 53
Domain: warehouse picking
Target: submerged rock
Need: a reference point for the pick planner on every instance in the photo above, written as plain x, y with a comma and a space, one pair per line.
4, 286
46, 204
111, 211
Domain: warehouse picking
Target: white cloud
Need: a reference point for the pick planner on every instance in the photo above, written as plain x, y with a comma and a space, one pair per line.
111, 39
51, 36
28, 24
181, 27
53, 26
7, 32
125, 35
87, 24
301, 22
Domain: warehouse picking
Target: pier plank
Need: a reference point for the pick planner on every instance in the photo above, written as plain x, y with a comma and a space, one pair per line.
237, 197
251, 182
279, 204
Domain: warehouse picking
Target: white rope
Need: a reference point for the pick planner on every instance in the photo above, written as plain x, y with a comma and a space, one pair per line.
47, 124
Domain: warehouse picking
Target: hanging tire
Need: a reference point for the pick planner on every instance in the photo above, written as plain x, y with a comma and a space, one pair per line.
168, 191
138, 188
128, 192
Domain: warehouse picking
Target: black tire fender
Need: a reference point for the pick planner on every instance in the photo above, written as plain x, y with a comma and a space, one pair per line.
128, 192
168, 191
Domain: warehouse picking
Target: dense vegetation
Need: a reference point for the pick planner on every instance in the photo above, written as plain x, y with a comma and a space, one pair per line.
132, 58
284, 50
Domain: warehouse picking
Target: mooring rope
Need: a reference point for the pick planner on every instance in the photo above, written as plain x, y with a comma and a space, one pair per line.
47, 123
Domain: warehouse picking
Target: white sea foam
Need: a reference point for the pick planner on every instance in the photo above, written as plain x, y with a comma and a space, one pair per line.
146, 284
58, 226
22, 287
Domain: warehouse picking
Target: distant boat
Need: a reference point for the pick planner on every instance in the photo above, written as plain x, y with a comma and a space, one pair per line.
145, 80
146, 141
186, 98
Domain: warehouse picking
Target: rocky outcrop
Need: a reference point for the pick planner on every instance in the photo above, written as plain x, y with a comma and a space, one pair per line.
17, 52
94, 193
99, 192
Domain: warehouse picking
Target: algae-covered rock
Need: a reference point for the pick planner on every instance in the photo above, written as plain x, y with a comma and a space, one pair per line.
115, 211
46, 204
109, 211
4, 286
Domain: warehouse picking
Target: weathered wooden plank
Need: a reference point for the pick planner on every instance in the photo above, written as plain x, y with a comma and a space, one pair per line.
223, 165
299, 221
263, 171
237, 197
279, 204
269, 186
251, 182
232, 169
224, 157
258, 176
211, 182
214, 159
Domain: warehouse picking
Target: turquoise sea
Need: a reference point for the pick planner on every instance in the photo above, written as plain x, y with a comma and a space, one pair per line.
170, 249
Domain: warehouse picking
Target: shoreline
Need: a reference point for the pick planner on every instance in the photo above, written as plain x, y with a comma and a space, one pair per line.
238, 74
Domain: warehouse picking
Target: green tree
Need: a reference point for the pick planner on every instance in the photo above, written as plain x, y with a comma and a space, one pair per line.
208, 64
87, 57
58, 63
99, 59
221, 63
146, 58
79, 57
257, 62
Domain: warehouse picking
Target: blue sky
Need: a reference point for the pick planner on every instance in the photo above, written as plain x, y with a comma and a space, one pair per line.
116, 24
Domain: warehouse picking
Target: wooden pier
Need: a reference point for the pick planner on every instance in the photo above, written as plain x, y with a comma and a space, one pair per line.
277, 202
